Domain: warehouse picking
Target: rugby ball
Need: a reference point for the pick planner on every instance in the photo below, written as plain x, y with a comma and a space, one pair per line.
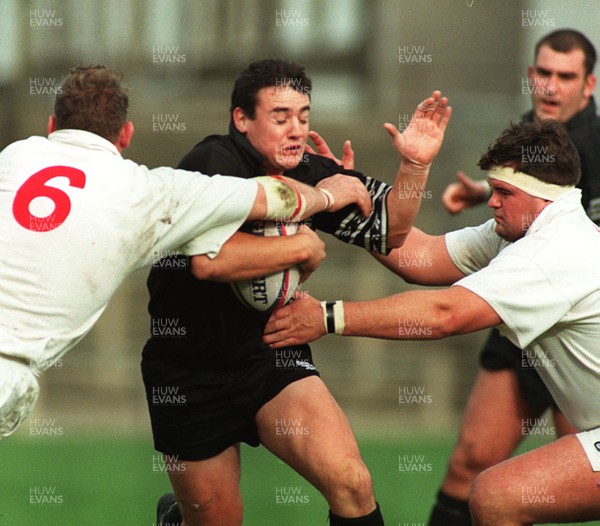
273, 291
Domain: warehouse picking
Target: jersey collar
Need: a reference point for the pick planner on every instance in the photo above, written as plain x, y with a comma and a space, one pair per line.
83, 139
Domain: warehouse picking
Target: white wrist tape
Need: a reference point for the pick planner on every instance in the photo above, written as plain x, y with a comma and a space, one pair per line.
329, 199
333, 316
285, 203
338, 317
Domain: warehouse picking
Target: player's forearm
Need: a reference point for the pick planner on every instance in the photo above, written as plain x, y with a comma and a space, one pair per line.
316, 200
419, 315
406, 316
423, 259
246, 256
285, 200
404, 201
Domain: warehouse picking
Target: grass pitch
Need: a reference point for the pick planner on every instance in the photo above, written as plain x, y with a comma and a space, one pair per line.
99, 481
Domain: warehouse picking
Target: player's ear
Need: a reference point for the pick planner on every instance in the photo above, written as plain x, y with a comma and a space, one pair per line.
240, 120
51, 124
590, 84
125, 135
531, 71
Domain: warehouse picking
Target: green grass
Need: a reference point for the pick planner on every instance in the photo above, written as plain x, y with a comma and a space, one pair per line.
116, 481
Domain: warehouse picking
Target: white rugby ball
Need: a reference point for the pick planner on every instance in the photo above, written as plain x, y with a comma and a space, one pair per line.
273, 291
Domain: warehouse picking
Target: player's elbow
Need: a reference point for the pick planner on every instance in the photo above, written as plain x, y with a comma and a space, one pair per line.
447, 320
395, 239
204, 268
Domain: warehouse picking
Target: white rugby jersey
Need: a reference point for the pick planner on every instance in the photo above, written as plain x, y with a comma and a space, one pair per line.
546, 289
76, 219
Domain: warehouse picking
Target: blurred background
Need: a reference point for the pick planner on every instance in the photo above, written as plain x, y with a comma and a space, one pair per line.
371, 62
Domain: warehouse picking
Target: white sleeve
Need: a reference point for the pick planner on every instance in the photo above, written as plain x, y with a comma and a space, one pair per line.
204, 211
521, 294
472, 248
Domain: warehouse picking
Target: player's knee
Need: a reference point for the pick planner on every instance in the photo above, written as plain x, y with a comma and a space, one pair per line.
486, 499
353, 483
212, 510
478, 501
471, 457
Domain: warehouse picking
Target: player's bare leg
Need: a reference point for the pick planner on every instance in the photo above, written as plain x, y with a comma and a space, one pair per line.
322, 448
208, 491
553, 483
491, 430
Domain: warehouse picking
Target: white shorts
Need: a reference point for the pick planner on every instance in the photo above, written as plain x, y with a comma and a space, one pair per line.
590, 440
19, 390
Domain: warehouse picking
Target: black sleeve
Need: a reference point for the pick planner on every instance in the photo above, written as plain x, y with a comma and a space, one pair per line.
348, 224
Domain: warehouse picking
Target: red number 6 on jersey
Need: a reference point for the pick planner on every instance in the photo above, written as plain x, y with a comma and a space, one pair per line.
36, 186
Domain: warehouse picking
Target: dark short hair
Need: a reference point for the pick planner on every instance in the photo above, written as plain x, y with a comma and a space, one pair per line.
91, 98
540, 149
264, 74
565, 40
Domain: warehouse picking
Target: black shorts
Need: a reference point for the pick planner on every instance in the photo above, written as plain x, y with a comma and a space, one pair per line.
499, 353
202, 412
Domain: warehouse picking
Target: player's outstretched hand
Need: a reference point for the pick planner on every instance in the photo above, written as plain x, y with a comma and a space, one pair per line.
323, 149
298, 322
315, 252
347, 190
420, 142
464, 194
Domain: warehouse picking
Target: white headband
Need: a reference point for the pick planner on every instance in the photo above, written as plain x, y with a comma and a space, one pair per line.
529, 184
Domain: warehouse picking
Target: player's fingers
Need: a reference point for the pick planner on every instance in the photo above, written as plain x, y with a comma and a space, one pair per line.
364, 201
429, 103
274, 322
273, 332
391, 129
279, 321
308, 149
320, 144
450, 199
348, 156
445, 118
453, 207
463, 178
438, 106
274, 343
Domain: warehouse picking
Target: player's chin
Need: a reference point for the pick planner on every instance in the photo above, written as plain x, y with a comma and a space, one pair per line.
508, 235
546, 111
291, 162
500, 230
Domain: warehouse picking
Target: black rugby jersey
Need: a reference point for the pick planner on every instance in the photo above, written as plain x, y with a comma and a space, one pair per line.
584, 132
202, 324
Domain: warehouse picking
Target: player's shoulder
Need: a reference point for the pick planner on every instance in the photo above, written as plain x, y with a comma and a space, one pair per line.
30, 144
596, 125
214, 154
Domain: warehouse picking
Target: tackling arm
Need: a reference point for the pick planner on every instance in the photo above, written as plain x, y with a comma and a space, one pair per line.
423, 260
246, 256
440, 313
415, 315
282, 199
